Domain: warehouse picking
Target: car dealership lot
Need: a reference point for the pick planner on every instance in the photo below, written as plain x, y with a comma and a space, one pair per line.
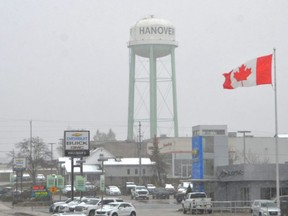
149, 207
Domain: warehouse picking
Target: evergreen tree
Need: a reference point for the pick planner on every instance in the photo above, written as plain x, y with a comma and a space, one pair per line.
160, 165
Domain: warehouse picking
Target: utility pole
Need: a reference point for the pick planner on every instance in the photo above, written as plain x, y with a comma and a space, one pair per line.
30, 140
139, 150
244, 144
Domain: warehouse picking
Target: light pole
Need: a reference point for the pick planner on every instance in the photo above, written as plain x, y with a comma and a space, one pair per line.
244, 143
139, 154
51, 155
102, 159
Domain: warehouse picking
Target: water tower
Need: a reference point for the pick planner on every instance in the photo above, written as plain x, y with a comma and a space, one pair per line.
152, 81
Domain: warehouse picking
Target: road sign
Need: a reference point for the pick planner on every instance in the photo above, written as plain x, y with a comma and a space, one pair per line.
53, 189
80, 183
102, 183
50, 181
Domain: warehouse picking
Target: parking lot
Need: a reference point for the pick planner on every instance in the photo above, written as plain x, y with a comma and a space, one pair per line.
149, 207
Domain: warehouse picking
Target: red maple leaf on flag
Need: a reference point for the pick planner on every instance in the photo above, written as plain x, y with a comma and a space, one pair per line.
242, 73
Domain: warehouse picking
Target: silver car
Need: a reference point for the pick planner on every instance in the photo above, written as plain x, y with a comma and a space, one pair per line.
265, 208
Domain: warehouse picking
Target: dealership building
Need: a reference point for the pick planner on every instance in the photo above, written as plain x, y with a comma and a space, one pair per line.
225, 165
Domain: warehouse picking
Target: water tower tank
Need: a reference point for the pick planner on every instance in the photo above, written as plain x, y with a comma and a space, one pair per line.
152, 31
152, 77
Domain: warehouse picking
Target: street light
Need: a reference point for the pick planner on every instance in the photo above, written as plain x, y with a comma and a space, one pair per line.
244, 143
102, 159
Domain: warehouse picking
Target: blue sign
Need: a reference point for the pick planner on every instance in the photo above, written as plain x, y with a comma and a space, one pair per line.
197, 157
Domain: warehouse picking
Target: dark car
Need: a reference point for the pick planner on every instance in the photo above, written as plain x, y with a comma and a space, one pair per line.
5, 190
160, 193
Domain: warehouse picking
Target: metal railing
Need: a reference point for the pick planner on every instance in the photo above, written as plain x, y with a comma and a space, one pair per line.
231, 206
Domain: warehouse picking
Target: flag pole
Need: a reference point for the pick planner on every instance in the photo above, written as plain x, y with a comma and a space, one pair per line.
276, 133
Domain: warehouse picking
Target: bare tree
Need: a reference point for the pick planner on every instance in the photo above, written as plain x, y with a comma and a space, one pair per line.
36, 152
234, 156
254, 158
100, 136
251, 157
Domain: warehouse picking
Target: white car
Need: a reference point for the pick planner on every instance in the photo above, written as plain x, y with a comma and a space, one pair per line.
265, 208
69, 207
82, 207
55, 206
117, 208
139, 192
40, 178
113, 191
170, 188
91, 209
69, 214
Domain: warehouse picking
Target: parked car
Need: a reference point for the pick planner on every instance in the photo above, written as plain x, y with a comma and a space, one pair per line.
139, 192
26, 177
69, 214
82, 207
150, 188
5, 190
40, 178
113, 191
67, 190
92, 209
265, 207
89, 186
180, 194
54, 207
128, 187
69, 207
170, 188
117, 208
160, 193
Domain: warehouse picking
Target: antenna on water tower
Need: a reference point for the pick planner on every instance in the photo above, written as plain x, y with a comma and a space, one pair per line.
152, 42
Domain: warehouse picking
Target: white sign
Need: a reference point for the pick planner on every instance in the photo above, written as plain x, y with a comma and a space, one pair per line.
77, 143
19, 163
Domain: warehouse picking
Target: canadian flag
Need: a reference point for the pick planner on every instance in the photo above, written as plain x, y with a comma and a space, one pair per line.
254, 72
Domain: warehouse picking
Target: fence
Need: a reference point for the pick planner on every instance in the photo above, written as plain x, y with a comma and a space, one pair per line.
231, 207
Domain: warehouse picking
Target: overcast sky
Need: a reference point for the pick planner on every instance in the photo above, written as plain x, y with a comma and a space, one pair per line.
65, 64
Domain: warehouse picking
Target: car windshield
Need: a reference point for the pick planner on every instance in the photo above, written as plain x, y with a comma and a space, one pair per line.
268, 204
160, 189
93, 201
113, 205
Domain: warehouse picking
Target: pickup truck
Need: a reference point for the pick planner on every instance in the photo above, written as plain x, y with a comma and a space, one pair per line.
197, 202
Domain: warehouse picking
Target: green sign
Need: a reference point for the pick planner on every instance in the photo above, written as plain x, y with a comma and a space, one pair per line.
50, 181
12, 178
102, 183
60, 181
80, 183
